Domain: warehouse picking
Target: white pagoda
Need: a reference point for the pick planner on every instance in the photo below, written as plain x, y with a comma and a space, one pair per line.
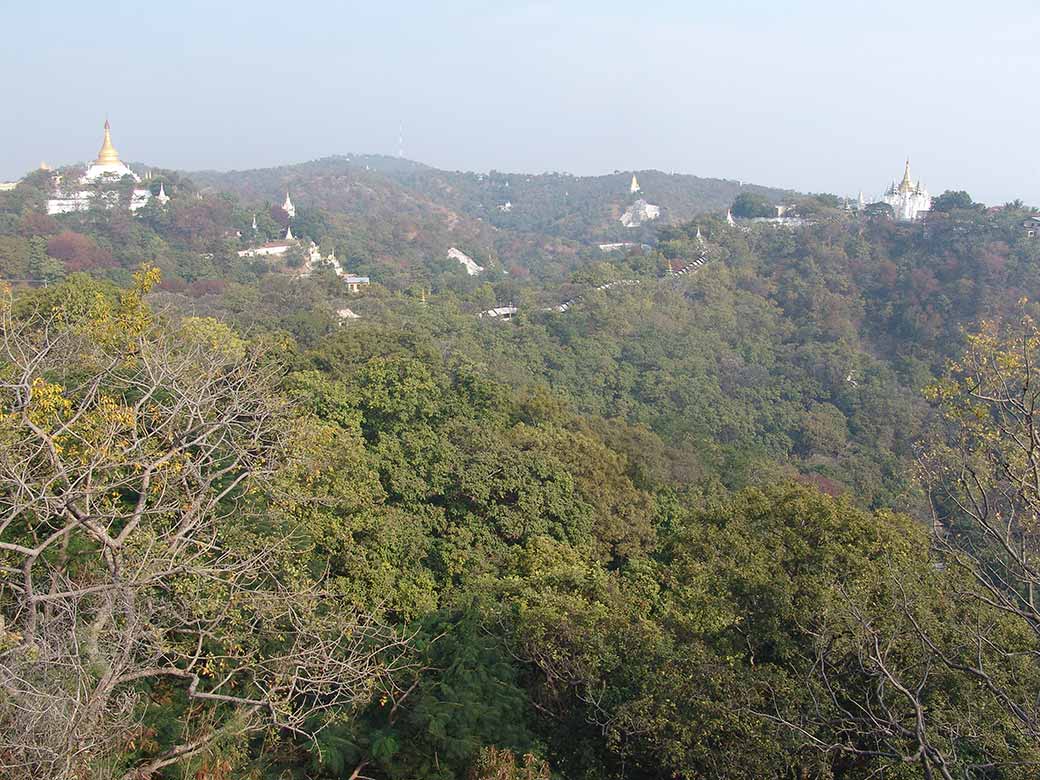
908, 200
106, 169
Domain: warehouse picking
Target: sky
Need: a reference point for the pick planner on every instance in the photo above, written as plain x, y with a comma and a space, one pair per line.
812, 95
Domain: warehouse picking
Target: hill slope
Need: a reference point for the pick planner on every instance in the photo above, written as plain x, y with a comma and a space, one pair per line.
544, 223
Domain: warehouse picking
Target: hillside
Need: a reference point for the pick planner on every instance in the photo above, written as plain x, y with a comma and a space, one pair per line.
543, 223
412, 542
583, 208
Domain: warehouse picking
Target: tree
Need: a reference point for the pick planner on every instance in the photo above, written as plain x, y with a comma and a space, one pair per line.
952, 200
148, 563
938, 666
983, 479
500, 764
879, 210
80, 252
749, 205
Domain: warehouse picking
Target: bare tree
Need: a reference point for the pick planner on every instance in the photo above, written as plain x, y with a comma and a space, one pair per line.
876, 701
939, 665
144, 545
983, 478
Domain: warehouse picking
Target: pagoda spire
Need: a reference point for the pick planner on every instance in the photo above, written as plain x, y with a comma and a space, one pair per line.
288, 233
108, 154
907, 184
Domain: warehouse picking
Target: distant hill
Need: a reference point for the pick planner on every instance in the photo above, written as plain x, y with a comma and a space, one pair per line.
546, 223
583, 208
387, 222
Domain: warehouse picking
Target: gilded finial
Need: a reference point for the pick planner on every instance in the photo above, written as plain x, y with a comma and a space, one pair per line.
906, 185
108, 154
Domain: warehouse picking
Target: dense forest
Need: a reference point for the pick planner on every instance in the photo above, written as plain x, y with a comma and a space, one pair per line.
771, 517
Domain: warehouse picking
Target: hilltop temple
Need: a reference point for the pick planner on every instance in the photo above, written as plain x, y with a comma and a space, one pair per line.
640, 212
908, 200
106, 169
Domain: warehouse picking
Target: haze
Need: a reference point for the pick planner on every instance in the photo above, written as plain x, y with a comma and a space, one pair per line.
817, 96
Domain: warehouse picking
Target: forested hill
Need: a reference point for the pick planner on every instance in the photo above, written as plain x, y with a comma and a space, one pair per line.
391, 224
559, 205
579, 207
255, 524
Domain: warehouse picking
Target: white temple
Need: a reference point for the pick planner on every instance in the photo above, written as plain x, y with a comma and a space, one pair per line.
634, 186
467, 262
908, 200
106, 169
288, 206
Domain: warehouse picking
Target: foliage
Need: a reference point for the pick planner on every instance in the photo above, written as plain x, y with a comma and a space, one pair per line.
748, 205
655, 534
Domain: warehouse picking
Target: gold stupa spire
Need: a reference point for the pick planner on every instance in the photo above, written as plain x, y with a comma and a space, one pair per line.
108, 154
906, 185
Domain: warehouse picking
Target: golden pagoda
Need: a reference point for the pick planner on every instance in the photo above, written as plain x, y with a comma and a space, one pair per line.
102, 172
906, 185
108, 154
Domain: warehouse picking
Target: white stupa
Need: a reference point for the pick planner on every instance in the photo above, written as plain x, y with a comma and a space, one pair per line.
108, 165
107, 168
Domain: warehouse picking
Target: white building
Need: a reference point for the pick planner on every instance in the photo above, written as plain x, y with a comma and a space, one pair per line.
314, 261
271, 248
504, 313
106, 169
467, 262
620, 246
288, 206
908, 200
638, 213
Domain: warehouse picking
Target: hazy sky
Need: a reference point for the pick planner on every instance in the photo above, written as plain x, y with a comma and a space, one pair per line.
811, 94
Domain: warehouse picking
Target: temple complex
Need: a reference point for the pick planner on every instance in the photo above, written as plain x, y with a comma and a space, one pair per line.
639, 213
107, 168
908, 200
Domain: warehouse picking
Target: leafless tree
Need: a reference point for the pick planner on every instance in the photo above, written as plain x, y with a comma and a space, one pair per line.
983, 477
145, 545
946, 674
